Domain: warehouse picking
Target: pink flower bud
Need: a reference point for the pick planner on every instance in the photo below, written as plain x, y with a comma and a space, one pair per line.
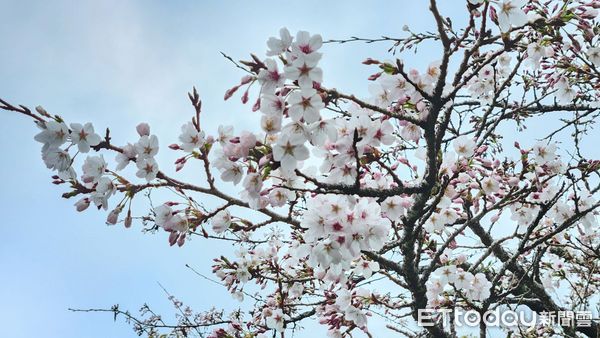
174, 146
143, 129
113, 216
458, 200
264, 160
476, 204
128, 219
246, 79
173, 238
375, 76
493, 15
245, 97
181, 240
256, 105
229, 93
82, 204
41, 110
370, 61
452, 245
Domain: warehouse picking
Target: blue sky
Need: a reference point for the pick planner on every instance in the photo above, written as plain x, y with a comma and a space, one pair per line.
118, 63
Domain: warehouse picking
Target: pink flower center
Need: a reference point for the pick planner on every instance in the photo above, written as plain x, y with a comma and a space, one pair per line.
305, 49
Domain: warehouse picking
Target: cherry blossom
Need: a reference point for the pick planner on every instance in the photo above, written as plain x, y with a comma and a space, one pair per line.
271, 104
536, 51
123, 158
84, 136
366, 268
544, 153
305, 104
490, 185
276, 320
511, 14
57, 159
191, 138
147, 146
464, 146
304, 69
221, 221
105, 188
53, 134
565, 93
306, 43
279, 46
594, 55
411, 132
93, 168
147, 168
270, 78
288, 151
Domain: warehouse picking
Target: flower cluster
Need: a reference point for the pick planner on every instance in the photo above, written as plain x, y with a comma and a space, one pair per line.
55, 134
174, 222
339, 229
449, 278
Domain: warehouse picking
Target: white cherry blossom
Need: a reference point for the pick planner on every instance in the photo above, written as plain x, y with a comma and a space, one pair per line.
464, 146
53, 134
147, 168
147, 146
84, 136
270, 78
305, 104
279, 46
511, 14
93, 168
190, 138
304, 69
289, 151
221, 221
276, 320
56, 159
